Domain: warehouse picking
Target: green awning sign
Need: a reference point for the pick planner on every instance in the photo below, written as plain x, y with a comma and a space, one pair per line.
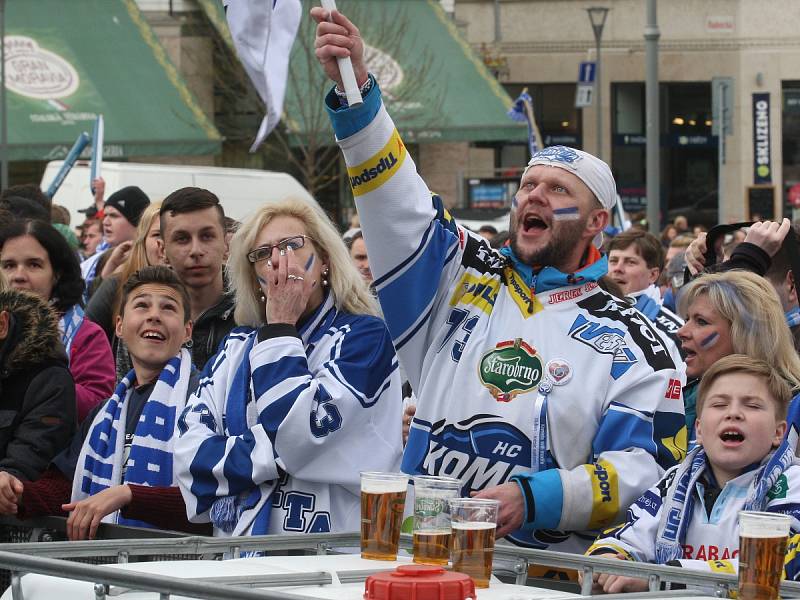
434, 85
64, 67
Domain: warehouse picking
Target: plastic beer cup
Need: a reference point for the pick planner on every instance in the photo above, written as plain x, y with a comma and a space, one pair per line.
762, 551
474, 521
432, 518
383, 498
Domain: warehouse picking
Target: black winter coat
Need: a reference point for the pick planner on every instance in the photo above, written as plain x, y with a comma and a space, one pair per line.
37, 392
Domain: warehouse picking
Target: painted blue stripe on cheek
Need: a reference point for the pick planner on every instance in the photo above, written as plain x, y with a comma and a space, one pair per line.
710, 340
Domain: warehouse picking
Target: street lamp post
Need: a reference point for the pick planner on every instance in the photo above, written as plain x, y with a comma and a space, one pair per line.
498, 34
3, 117
597, 17
651, 36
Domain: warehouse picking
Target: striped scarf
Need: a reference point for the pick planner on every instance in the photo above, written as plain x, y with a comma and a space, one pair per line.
68, 326
100, 463
90, 273
248, 513
677, 509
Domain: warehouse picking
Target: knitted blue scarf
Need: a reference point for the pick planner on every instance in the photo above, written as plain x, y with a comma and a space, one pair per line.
100, 464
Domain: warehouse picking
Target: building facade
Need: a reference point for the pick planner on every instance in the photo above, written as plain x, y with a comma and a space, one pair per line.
754, 43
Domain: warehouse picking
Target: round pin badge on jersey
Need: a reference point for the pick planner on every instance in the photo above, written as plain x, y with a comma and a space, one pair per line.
558, 371
545, 386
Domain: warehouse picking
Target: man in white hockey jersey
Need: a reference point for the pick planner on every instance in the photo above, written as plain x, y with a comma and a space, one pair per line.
535, 386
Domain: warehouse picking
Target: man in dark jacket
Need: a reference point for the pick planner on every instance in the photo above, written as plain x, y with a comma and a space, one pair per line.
193, 238
37, 393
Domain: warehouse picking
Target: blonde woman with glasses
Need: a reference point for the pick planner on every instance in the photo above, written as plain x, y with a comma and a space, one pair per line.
301, 398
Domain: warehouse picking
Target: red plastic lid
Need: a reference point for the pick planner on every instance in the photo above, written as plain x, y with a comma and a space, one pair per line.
419, 582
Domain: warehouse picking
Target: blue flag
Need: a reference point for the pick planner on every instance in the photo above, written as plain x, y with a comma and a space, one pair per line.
522, 110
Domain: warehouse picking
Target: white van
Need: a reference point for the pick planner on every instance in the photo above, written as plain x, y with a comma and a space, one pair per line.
240, 191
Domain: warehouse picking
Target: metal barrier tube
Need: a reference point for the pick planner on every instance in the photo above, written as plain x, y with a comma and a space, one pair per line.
579, 562
140, 581
186, 545
16, 586
521, 571
198, 545
586, 584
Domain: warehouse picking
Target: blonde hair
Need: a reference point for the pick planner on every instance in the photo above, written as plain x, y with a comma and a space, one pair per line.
350, 292
758, 325
779, 391
138, 255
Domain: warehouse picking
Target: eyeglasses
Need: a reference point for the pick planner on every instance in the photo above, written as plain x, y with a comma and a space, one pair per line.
265, 252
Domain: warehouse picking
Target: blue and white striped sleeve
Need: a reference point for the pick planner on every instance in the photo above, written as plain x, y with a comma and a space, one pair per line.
209, 463
330, 420
414, 245
316, 424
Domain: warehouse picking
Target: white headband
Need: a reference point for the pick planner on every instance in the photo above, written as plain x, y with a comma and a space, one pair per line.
595, 173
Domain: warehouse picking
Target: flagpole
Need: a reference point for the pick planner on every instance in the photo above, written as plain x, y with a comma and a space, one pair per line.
3, 115
351, 88
532, 121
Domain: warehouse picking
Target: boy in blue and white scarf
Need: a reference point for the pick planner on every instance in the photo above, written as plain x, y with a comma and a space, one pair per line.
744, 461
118, 468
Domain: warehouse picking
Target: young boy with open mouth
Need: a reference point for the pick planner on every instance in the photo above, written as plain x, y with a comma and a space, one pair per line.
118, 468
742, 462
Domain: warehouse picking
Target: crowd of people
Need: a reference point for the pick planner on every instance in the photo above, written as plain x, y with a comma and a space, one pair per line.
167, 368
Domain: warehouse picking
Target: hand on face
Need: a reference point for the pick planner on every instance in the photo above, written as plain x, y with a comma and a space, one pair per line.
287, 286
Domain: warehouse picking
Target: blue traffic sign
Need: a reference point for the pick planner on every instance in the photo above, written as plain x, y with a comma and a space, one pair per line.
586, 72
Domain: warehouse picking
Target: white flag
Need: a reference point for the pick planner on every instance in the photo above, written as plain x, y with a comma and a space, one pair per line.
263, 32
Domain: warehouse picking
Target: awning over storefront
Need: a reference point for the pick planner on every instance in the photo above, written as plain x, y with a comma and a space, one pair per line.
68, 61
434, 86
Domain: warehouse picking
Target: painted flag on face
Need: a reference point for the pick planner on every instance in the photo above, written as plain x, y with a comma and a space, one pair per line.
263, 32
522, 110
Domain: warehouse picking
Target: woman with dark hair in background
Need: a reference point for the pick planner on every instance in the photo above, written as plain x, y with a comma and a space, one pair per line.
36, 258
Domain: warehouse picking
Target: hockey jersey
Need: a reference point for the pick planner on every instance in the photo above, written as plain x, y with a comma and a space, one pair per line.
538, 374
289, 423
650, 303
711, 540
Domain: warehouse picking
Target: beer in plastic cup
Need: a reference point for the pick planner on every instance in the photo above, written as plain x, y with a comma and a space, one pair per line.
432, 518
474, 521
762, 551
383, 498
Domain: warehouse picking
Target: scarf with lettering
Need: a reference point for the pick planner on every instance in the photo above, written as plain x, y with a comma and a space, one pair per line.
149, 462
677, 509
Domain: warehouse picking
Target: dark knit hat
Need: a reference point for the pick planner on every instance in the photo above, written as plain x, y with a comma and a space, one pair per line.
130, 201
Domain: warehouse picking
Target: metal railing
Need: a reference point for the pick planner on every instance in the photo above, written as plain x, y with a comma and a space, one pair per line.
54, 558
